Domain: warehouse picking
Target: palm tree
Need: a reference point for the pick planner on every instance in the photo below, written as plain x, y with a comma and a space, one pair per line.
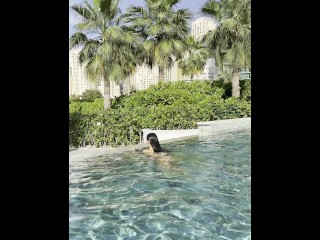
231, 40
195, 58
108, 49
164, 31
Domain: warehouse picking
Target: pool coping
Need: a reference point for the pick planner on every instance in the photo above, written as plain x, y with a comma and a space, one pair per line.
87, 153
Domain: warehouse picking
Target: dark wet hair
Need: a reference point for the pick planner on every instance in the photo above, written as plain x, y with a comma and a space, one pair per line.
154, 142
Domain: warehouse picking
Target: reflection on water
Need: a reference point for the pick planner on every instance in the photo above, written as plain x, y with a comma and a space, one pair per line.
200, 191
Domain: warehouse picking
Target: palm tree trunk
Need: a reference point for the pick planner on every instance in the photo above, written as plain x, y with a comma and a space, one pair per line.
235, 84
106, 95
161, 74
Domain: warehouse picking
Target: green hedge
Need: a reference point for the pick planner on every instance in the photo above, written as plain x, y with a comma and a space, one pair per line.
176, 105
245, 89
176, 93
90, 106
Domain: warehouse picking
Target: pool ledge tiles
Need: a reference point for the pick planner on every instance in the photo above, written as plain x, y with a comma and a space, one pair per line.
203, 127
224, 125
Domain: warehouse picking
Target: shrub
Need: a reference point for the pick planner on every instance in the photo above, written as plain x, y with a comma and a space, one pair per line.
245, 89
176, 105
86, 106
91, 94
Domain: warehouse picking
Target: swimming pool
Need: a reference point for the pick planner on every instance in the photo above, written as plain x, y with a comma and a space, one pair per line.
200, 190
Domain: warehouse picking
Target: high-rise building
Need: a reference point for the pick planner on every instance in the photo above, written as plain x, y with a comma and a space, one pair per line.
144, 77
78, 83
114, 89
173, 73
141, 79
199, 28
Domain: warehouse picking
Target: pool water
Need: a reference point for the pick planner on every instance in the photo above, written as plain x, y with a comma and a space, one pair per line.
201, 189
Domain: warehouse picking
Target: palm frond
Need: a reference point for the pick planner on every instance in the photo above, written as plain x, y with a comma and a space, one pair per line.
113, 34
106, 49
165, 47
172, 2
78, 39
105, 5
87, 26
148, 45
179, 46
212, 8
114, 10
89, 50
84, 12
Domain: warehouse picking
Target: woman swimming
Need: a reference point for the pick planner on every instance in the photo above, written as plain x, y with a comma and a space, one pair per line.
153, 144
158, 153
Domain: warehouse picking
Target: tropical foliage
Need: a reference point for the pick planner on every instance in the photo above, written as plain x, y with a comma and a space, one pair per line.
163, 29
195, 57
231, 40
176, 105
110, 52
91, 94
157, 35
88, 95
86, 106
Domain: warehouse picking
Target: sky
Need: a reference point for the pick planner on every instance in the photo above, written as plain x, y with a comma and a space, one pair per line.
193, 5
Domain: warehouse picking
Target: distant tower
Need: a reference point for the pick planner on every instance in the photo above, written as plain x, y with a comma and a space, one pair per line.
78, 83
199, 28
144, 77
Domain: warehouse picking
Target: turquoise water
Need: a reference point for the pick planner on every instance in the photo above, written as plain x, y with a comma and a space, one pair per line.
200, 190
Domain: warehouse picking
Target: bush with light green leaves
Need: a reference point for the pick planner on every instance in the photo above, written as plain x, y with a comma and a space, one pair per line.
177, 105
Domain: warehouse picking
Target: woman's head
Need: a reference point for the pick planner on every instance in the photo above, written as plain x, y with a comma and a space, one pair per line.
154, 142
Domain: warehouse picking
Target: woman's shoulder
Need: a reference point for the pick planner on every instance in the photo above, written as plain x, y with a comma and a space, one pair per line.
160, 154
147, 152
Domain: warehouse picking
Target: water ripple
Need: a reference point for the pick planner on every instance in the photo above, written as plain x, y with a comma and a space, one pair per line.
202, 192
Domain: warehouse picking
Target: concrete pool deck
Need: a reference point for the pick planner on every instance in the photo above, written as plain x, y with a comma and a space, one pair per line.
165, 136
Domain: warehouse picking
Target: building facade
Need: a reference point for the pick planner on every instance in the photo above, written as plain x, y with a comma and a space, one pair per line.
144, 77
199, 28
78, 82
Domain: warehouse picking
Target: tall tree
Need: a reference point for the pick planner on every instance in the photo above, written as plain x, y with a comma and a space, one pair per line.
164, 30
231, 40
195, 57
108, 49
